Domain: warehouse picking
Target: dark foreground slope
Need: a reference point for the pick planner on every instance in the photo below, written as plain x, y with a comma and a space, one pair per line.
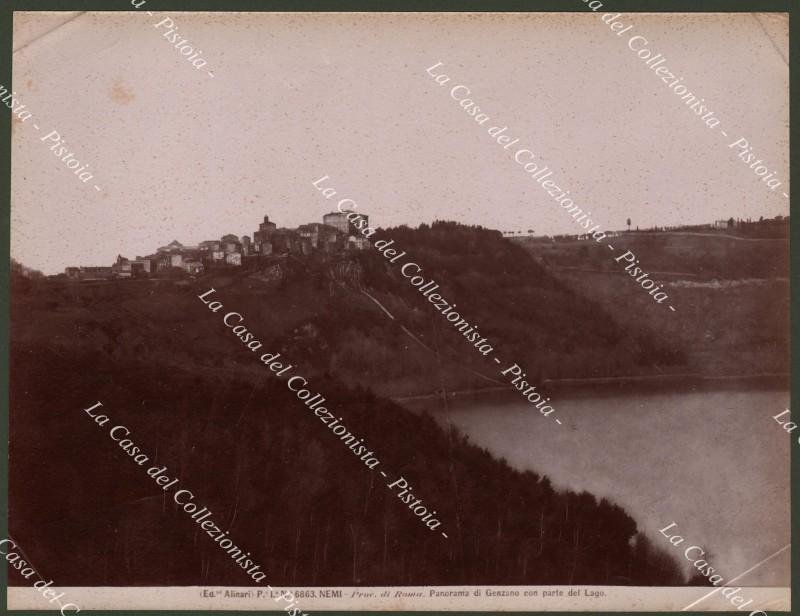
286, 489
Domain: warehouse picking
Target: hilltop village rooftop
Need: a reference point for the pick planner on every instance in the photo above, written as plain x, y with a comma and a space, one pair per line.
335, 234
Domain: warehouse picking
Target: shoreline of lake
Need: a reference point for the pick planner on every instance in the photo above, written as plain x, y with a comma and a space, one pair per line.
662, 456
612, 386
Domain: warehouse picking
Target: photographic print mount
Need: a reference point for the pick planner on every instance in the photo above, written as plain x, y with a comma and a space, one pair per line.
285, 276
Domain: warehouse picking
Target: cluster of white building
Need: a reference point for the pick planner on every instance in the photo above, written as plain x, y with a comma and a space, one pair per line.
333, 235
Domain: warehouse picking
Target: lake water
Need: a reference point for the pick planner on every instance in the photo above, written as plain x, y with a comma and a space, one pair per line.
715, 463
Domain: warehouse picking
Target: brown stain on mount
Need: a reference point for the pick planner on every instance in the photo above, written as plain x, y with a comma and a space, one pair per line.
121, 94
14, 121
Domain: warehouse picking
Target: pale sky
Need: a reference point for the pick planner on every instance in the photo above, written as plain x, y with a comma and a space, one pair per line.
181, 155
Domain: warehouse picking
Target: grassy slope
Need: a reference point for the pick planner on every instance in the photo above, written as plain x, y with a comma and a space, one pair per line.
732, 310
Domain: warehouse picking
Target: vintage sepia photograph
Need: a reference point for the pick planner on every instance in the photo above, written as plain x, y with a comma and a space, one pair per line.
399, 311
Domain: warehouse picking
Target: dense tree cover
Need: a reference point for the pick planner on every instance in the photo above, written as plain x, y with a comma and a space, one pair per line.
515, 302
24, 279
18, 270
285, 488
313, 310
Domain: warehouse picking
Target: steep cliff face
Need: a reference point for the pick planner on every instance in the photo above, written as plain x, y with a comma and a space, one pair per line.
347, 272
269, 273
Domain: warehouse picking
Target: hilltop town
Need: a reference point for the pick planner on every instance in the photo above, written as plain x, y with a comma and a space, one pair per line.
334, 235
